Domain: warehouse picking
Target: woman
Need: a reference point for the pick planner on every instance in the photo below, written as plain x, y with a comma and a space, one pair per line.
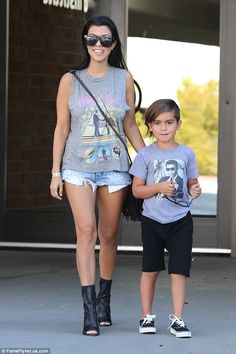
92, 161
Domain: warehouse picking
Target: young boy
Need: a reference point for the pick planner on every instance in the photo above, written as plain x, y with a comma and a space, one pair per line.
166, 219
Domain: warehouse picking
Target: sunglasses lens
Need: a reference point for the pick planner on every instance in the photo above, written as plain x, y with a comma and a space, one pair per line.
106, 42
90, 40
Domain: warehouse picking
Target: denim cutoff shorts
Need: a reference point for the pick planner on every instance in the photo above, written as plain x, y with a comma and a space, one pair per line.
115, 180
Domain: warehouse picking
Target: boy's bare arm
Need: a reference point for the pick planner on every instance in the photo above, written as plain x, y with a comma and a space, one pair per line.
141, 190
194, 188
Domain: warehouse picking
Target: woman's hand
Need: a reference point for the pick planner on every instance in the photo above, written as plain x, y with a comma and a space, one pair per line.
56, 188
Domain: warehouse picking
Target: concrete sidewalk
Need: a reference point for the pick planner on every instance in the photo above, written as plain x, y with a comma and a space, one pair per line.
40, 307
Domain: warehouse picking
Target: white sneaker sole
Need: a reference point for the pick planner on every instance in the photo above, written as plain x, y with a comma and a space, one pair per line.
183, 334
150, 330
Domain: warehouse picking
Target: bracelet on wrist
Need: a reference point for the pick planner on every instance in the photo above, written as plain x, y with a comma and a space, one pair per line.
56, 174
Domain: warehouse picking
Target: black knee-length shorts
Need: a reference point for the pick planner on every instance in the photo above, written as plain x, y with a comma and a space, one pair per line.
176, 237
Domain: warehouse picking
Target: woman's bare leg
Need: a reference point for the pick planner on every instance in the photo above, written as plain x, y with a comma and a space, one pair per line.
82, 203
109, 206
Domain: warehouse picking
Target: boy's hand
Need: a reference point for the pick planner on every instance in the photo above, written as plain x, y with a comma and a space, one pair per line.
195, 190
167, 188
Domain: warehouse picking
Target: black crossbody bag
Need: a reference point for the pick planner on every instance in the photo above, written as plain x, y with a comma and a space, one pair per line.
132, 207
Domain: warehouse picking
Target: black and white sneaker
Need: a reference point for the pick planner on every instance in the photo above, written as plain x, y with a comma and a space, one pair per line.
178, 327
146, 325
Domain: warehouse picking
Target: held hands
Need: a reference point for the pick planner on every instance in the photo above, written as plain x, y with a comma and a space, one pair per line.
195, 190
56, 187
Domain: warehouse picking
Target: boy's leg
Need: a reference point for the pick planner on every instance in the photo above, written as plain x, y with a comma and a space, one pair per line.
180, 258
153, 263
147, 289
180, 247
178, 289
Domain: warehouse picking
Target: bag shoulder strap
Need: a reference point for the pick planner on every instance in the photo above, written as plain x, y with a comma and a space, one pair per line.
73, 72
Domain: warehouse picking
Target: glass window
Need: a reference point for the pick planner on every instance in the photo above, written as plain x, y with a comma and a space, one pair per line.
189, 74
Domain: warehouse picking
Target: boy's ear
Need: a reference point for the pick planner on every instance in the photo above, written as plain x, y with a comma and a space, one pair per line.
179, 124
149, 128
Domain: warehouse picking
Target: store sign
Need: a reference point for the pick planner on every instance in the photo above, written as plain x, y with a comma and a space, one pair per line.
68, 4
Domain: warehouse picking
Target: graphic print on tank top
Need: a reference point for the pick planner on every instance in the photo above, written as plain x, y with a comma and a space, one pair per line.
169, 170
99, 142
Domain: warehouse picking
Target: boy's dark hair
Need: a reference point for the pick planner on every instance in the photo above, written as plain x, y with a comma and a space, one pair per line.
158, 107
115, 58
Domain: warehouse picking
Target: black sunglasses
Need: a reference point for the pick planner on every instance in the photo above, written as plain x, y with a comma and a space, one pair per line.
92, 39
183, 204
170, 168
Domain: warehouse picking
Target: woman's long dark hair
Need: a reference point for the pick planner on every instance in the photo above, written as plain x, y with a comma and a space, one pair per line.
115, 58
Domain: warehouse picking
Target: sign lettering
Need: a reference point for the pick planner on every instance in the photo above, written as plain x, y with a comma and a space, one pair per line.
68, 4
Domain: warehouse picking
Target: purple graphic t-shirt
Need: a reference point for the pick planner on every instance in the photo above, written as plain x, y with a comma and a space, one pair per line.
92, 146
155, 165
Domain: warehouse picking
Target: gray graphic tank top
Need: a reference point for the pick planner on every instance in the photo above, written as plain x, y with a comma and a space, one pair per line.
92, 146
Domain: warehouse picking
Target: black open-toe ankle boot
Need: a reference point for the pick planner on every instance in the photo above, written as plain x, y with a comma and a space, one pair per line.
103, 303
90, 315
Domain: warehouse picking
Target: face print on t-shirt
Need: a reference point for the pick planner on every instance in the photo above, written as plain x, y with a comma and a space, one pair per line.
170, 170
